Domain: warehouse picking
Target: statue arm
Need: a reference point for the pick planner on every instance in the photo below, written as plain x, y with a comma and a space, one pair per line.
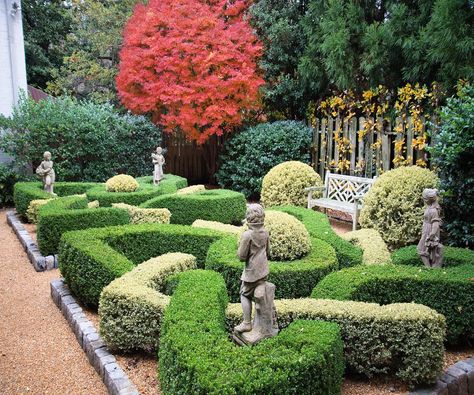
244, 247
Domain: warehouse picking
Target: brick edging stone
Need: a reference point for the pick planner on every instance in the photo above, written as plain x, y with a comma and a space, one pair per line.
458, 379
39, 262
114, 378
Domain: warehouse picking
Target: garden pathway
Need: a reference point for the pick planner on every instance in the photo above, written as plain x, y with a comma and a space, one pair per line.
39, 354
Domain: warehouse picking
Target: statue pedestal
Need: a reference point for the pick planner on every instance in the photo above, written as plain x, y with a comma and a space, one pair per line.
264, 324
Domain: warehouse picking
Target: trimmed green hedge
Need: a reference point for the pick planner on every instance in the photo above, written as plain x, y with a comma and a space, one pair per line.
131, 307
318, 226
146, 191
196, 356
25, 192
449, 291
452, 256
390, 339
220, 205
71, 213
90, 259
293, 279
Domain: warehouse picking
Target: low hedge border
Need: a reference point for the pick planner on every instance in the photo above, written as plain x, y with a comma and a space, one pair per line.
452, 256
220, 205
318, 226
196, 356
91, 259
449, 291
71, 213
132, 306
25, 192
390, 339
375, 251
293, 279
169, 184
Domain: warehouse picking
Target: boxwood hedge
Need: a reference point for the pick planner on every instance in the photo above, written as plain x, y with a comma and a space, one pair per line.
318, 226
71, 213
90, 259
449, 291
213, 205
390, 339
146, 191
25, 192
196, 356
293, 279
132, 306
452, 256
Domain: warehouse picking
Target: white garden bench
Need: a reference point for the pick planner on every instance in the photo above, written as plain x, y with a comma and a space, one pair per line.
341, 193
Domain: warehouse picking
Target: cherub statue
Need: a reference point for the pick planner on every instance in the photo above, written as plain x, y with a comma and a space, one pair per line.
429, 248
254, 250
159, 161
46, 172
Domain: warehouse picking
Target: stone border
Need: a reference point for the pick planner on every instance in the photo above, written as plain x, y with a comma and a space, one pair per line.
114, 378
39, 262
458, 379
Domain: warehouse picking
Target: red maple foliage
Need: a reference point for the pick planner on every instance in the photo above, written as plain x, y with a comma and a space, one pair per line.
191, 64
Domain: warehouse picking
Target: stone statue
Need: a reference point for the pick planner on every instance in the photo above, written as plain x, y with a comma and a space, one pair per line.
46, 172
254, 250
158, 161
429, 248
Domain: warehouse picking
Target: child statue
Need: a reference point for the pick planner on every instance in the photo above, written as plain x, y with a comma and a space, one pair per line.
429, 248
158, 161
46, 172
254, 250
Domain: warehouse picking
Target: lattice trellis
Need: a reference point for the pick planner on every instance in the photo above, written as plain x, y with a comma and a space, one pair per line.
345, 190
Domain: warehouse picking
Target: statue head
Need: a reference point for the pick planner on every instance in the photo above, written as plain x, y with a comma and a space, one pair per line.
430, 195
255, 215
159, 150
47, 155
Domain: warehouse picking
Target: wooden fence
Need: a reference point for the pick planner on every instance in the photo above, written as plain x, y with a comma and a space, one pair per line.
197, 163
349, 147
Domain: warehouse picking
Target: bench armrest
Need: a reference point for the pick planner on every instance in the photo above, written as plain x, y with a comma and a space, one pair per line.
311, 189
359, 197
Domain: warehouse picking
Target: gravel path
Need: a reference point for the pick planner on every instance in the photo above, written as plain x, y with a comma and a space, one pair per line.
38, 352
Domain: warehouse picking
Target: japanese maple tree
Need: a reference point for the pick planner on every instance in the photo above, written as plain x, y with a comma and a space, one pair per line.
191, 64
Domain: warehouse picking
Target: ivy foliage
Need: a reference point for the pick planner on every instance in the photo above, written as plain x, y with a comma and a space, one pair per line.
453, 154
88, 142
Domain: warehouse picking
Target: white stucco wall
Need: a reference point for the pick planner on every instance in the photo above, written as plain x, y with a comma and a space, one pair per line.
12, 58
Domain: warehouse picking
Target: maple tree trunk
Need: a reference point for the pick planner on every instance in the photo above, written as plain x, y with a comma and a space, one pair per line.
210, 151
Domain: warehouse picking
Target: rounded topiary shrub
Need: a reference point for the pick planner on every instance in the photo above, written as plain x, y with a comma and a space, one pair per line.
289, 239
394, 205
249, 155
285, 184
121, 183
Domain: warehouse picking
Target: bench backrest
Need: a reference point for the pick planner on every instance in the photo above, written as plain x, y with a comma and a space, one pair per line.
345, 188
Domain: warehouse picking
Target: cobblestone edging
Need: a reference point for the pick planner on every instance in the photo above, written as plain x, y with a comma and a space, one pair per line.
458, 379
104, 362
39, 262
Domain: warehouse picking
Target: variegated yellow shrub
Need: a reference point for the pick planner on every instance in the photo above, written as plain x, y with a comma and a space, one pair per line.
285, 183
121, 183
33, 209
131, 307
93, 204
191, 189
289, 239
394, 205
214, 225
374, 248
145, 215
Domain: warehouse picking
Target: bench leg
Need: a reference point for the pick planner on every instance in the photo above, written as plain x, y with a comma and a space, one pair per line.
355, 219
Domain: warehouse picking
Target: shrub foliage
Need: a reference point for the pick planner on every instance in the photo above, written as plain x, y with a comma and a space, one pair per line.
251, 154
394, 205
453, 155
304, 358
